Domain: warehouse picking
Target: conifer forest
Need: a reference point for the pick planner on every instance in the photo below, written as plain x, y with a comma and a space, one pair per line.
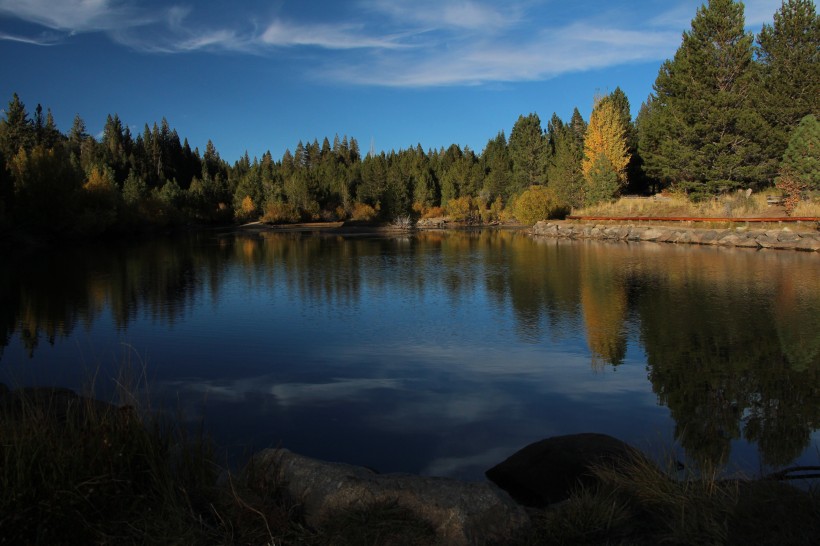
731, 110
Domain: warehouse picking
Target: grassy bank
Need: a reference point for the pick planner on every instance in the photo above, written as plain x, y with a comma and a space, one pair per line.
737, 205
74, 470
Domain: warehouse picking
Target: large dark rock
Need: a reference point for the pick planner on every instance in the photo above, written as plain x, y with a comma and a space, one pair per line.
462, 513
547, 471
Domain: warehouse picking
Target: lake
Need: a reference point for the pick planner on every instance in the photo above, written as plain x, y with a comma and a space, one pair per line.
439, 353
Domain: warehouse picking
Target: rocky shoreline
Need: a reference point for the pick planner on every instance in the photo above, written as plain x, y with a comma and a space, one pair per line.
780, 239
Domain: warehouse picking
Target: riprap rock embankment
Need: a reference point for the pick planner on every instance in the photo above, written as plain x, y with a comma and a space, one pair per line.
782, 239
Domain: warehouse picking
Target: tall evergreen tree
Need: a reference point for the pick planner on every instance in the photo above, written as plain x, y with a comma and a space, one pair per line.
578, 127
16, 130
78, 131
802, 157
39, 124
497, 165
789, 55
528, 151
635, 180
51, 135
706, 130
564, 171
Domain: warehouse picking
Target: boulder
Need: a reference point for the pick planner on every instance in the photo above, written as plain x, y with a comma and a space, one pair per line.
767, 241
788, 236
808, 243
547, 471
653, 234
461, 513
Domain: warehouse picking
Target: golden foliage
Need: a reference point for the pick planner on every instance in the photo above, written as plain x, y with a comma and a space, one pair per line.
278, 212
606, 136
604, 316
362, 212
432, 212
247, 210
459, 209
99, 181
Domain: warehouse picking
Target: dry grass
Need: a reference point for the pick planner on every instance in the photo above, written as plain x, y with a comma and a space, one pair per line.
735, 205
74, 470
640, 504
808, 208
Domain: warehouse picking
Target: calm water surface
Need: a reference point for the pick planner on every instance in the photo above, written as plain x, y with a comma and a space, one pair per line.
437, 353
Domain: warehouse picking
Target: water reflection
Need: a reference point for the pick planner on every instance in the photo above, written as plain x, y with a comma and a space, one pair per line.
450, 331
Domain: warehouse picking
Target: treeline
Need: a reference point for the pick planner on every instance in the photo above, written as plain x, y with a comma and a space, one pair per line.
728, 111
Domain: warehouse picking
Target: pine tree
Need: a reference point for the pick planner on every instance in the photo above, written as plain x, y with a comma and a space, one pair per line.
39, 124
497, 167
564, 170
707, 132
602, 181
528, 151
802, 157
636, 182
554, 126
578, 127
17, 130
51, 135
78, 133
789, 55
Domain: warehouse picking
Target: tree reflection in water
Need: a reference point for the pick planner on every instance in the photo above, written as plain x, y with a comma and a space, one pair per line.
732, 337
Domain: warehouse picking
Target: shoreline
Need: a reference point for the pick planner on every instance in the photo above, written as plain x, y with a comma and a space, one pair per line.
778, 239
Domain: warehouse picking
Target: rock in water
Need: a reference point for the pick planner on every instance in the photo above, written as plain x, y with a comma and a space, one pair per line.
462, 513
547, 471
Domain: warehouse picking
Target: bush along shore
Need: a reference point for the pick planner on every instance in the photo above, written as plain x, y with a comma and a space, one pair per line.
75, 470
781, 239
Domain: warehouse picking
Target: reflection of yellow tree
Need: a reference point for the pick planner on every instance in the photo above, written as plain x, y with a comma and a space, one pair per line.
604, 301
249, 247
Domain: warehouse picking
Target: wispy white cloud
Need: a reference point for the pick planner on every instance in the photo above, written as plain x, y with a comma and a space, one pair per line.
76, 15
43, 39
174, 32
337, 36
394, 43
542, 55
459, 14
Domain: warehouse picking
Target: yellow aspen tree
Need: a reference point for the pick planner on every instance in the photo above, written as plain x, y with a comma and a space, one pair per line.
605, 144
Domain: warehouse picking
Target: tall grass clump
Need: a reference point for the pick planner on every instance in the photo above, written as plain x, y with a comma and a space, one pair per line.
809, 207
74, 470
637, 503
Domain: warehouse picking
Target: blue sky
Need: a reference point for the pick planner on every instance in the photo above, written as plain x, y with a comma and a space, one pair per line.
256, 75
